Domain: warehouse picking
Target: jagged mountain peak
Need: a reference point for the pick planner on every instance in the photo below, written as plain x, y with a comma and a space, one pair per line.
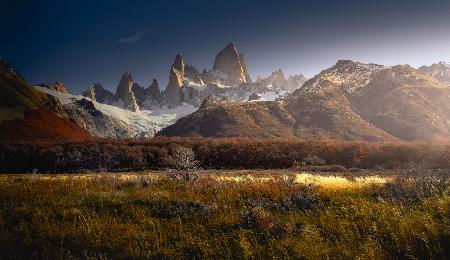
96, 85
154, 83
229, 62
125, 84
173, 93
178, 64
154, 89
227, 54
126, 76
440, 71
231, 46
124, 93
97, 92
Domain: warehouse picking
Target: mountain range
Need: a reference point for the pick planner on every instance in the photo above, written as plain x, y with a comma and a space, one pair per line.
348, 101
135, 111
228, 79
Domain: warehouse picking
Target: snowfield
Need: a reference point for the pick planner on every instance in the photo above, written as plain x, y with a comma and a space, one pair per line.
145, 122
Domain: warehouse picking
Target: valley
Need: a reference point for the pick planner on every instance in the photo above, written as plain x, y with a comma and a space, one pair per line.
225, 129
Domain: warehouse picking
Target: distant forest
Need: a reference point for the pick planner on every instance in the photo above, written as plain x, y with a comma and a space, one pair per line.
217, 153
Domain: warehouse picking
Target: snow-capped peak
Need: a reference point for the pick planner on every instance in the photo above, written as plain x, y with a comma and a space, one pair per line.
348, 74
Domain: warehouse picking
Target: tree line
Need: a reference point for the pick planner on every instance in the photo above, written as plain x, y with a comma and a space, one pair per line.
214, 153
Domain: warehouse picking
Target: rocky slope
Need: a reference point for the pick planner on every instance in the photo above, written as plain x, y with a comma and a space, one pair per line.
406, 104
277, 78
255, 119
107, 121
440, 71
350, 101
26, 116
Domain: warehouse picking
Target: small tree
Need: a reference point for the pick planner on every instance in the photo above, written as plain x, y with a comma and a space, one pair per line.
182, 163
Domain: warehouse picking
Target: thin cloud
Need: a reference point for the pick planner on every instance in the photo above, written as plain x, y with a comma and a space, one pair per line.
134, 38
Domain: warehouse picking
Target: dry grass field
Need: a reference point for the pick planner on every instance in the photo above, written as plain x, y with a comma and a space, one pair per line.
225, 214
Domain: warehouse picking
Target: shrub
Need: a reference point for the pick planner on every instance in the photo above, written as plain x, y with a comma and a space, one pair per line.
416, 183
182, 163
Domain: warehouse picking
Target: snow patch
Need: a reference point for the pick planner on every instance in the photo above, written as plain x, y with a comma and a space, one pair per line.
195, 85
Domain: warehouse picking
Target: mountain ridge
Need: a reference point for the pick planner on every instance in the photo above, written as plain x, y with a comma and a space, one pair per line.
349, 101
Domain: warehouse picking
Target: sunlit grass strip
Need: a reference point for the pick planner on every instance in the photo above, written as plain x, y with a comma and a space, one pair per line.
339, 182
325, 181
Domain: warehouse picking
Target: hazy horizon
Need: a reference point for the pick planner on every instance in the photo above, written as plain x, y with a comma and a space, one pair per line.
80, 42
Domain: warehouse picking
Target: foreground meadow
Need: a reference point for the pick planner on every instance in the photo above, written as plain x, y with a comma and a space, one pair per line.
240, 214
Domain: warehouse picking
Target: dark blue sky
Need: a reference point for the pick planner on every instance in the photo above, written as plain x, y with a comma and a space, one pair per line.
79, 42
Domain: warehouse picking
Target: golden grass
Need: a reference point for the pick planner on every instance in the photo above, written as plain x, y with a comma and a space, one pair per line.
326, 181
251, 214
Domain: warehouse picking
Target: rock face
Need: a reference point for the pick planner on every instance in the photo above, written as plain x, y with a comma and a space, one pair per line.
88, 106
295, 82
248, 79
57, 86
148, 97
97, 93
229, 68
349, 101
139, 94
124, 96
154, 92
87, 116
277, 78
193, 75
173, 94
440, 70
